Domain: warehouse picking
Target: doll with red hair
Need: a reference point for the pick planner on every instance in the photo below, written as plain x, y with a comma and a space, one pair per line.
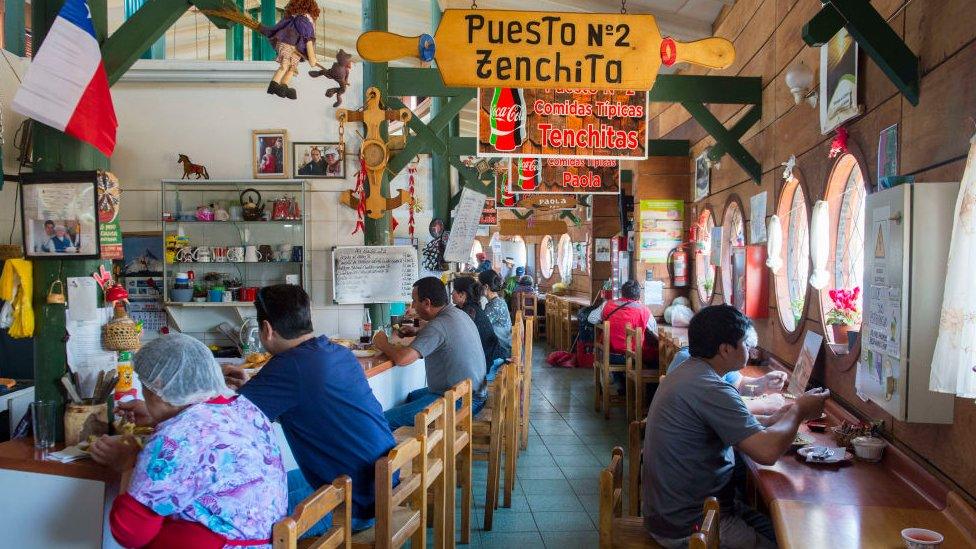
293, 38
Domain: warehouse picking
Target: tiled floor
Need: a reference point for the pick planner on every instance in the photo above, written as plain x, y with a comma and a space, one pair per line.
555, 503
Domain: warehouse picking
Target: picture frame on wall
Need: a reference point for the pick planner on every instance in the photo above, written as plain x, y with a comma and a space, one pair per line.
838, 82
59, 215
318, 160
269, 154
702, 177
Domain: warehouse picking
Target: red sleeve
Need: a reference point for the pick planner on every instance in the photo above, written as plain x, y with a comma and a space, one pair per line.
133, 524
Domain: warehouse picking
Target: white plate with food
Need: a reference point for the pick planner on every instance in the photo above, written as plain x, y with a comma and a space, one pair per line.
824, 454
801, 441
365, 353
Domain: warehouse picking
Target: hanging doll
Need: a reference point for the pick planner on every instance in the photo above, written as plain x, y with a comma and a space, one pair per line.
294, 40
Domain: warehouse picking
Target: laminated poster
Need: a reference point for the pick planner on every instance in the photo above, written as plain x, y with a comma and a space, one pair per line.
661, 228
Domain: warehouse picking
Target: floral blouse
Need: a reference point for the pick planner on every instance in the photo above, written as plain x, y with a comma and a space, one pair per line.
501, 322
217, 464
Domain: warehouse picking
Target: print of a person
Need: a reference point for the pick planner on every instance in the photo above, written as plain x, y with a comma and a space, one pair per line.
267, 161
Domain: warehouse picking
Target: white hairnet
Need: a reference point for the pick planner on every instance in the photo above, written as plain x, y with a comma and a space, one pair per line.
180, 369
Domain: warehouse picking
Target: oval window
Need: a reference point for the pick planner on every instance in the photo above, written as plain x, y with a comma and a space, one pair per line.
791, 282
565, 258
476, 249
547, 257
519, 252
845, 196
704, 270
733, 231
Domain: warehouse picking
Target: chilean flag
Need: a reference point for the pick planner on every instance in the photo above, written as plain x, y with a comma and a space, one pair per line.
66, 86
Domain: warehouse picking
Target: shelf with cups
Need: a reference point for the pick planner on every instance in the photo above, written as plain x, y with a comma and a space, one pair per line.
224, 239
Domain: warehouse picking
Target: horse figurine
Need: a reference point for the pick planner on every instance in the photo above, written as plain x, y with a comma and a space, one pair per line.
189, 168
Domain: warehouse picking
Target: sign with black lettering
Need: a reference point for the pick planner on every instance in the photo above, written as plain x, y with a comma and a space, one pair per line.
564, 175
560, 123
537, 49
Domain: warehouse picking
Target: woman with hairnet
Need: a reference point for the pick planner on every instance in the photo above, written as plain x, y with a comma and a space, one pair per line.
211, 474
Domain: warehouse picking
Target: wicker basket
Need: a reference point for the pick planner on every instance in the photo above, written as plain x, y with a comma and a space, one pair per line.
11, 251
121, 333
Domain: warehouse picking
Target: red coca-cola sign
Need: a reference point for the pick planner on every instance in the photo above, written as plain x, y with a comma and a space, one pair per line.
506, 116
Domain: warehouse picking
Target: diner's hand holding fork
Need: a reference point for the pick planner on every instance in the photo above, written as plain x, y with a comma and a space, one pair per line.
234, 376
811, 403
774, 381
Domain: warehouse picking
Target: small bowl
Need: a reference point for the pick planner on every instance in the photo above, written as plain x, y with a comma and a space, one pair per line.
920, 538
869, 448
818, 425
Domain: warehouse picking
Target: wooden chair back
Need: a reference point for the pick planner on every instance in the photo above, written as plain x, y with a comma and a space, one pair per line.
401, 512
634, 353
430, 424
601, 345
526, 381
528, 303
634, 459
611, 495
335, 498
457, 425
708, 536
488, 436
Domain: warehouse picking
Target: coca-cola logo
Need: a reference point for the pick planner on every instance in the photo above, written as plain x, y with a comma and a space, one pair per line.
512, 113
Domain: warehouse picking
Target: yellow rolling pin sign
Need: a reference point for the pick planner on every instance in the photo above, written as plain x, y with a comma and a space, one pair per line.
534, 49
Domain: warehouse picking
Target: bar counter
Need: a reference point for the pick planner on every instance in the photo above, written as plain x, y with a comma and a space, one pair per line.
857, 504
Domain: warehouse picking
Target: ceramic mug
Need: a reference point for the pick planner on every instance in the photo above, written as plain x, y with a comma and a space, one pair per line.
251, 254
202, 254
219, 254
284, 252
184, 254
267, 252
235, 254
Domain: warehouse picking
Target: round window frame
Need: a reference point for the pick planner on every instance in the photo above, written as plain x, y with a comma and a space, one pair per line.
523, 257
726, 263
792, 336
560, 257
542, 253
705, 300
842, 361
473, 255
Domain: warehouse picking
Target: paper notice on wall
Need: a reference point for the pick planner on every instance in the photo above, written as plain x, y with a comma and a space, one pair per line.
464, 225
84, 352
757, 217
654, 292
884, 326
82, 298
661, 224
602, 252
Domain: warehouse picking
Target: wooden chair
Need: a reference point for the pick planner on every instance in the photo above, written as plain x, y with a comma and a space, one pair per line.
430, 427
335, 498
615, 529
708, 536
526, 382
528, 303
487, 433
603, 370
551, 321
395, 521
637, 377
458, 471
512, 413
634, 460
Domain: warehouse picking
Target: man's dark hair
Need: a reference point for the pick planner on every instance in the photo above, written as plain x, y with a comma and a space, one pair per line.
492, 280
431, 287
713, 326
286, 307
48, 222
630, 290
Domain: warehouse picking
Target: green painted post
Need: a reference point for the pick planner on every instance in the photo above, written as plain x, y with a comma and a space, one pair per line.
13, 27
55, 151
440, 167
158, 49
235, 39
376, 17
269, 16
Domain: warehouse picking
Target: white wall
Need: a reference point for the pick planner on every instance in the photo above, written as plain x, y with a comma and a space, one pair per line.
212, 123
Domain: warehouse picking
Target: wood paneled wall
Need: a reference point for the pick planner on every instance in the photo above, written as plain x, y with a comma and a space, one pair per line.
933, 140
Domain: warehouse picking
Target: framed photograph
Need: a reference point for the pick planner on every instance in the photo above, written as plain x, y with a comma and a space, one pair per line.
838, 81
318, 160
702, 177
59, 215
269, 154
143, 253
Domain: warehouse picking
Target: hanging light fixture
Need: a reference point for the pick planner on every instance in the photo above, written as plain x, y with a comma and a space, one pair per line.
774, 244
799, 79
820, 244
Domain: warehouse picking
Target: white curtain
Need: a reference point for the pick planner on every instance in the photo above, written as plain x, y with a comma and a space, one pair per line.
955, 352
820, 244
774, 244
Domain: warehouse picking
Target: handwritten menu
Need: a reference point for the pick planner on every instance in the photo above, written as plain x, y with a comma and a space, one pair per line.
373, 274
464, 225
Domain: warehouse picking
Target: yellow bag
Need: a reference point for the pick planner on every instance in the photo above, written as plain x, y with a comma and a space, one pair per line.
16, 286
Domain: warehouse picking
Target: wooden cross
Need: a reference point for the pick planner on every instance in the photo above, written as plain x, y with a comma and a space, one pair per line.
376, 153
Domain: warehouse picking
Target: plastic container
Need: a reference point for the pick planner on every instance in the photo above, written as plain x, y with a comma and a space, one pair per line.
869, 448
181, 295
215, 296
920, 538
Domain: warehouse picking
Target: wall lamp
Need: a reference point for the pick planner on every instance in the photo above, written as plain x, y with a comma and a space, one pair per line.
799, 79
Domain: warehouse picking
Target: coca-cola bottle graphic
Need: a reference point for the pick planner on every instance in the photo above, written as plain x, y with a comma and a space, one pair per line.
530, 173
507, 119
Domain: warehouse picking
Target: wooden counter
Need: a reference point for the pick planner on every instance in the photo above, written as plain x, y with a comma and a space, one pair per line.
375, 365
18, 455
857, 504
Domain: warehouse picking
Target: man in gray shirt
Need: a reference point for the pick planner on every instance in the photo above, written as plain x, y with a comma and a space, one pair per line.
450, 346
694, 421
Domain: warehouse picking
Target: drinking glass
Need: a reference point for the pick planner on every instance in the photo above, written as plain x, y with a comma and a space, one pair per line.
42, 421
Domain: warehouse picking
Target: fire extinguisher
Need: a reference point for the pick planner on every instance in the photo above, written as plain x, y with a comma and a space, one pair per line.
678, 266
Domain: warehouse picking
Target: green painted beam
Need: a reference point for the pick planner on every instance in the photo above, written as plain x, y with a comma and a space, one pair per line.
440, 166
137, 34
873, 34
739, 129
235, 39
677, 88
13, 27
268, 18
440, 121
470, 178
424, 133
422, 82
158, 48
668, 147
724, 138
462, 146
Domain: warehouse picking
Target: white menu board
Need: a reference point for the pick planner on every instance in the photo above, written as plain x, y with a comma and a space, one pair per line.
464, 225
373, 274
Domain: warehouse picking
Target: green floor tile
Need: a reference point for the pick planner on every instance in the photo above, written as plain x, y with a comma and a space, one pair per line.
561, 440
551, 472
542, 486
559, 521
580, 459
504, 540
537, 459
554, 502
572, 473
571, 540
508, 520
568, 449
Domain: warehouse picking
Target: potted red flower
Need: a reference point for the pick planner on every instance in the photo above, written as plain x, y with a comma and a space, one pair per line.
845, 315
